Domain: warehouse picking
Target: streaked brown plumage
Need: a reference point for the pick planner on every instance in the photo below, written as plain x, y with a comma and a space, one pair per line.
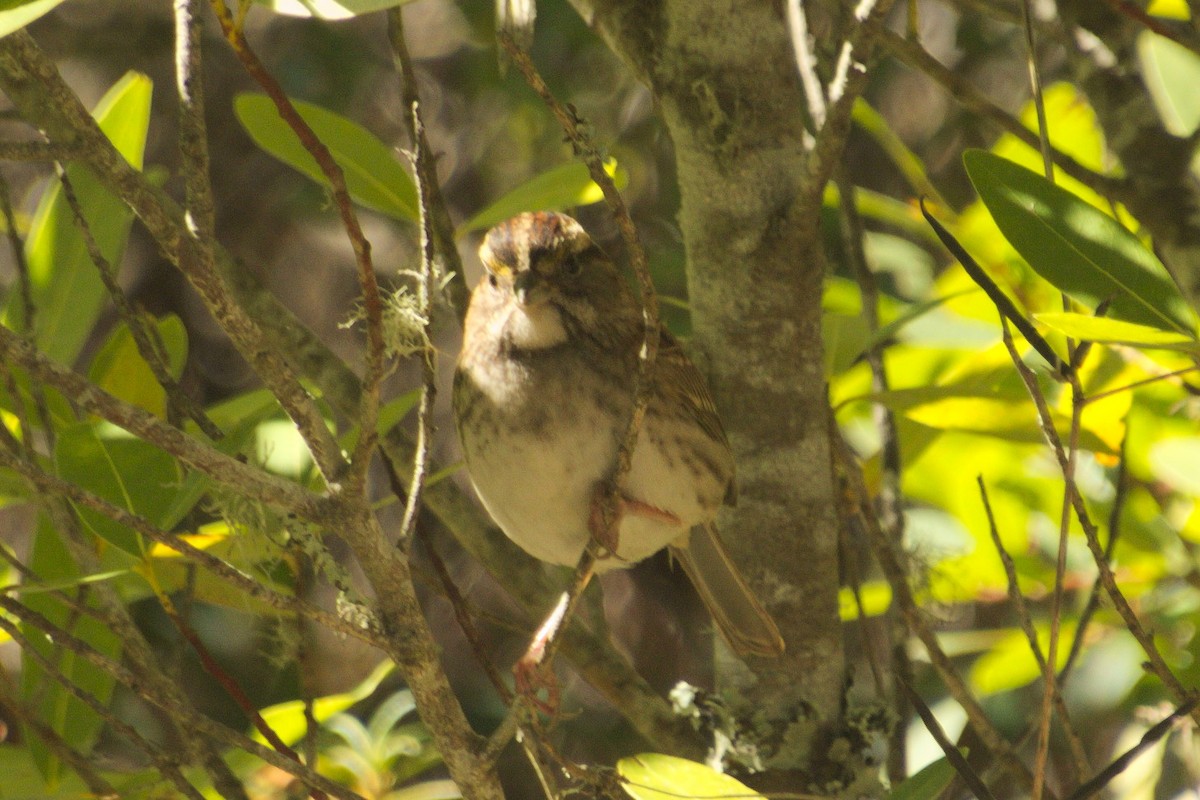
542, 395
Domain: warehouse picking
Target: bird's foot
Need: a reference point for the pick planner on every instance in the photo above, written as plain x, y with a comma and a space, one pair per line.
609, 507
534, 677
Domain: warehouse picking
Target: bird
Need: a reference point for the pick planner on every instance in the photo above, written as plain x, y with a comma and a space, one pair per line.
543, 393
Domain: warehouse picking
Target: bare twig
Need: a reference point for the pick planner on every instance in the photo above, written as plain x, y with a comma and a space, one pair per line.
54, 486
277, 492
1108, 580
1025, 620
587, 151
416, 485
1122, 762
806, 62
956, 758
37, 151
439, 224
127, 677
973, 99
151, 354
376, 367
890, 562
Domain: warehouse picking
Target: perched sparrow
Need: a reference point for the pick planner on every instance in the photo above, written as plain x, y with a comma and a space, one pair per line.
542, 396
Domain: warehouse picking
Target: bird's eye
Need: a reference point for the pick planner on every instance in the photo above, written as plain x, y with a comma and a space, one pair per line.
572, 267
492, 280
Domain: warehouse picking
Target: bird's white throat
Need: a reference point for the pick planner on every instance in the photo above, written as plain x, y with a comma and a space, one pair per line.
532, 327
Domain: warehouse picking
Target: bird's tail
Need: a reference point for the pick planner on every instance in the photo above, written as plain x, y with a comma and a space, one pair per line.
735, 609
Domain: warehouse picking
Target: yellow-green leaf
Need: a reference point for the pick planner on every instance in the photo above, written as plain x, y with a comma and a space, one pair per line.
120, 370
560, 188
1114, 331
654, 776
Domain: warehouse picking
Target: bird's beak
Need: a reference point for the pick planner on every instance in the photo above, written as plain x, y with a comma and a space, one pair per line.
529, 288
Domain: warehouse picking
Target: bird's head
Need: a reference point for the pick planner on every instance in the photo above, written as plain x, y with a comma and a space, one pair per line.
548, 280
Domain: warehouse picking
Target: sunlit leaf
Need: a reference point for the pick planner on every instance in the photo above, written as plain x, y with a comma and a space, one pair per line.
328, 9
876, 597
67, 291
560, 188
287, 719
1172, 73
206, 537
1087, 327
16, 15
1176, 462
120, 370
374, 177
1169, 9
654, 776
1078, 248
1010, 664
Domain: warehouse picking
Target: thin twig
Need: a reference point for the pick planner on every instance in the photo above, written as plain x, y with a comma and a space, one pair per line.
1025, 620
376, 367
123, 675
428, 354
1157, 663
890, 562
274, 491
973, 99
1122, 762
586, 150
956, 758
446, 257
53, 485
891, 514
38, 151
134, 321
806, 62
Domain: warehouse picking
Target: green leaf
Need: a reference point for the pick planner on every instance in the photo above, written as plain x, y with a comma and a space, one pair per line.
654, 776
928, 783
1010, 664
128, 472
1088, 328
1076, 247
120, 370
1172, 73
373, 176
16, 14
67, 291
560, 188
287, 719
74, 721
395, 410
328, 9
1176, 462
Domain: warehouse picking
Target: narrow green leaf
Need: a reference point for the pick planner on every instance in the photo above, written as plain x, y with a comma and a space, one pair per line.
67, 291
16, 15
926, 784
655, 776
127, 472
560, 188
1114, 331
1075, 246
74, 721
328, 9
1172, 73
374, 177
